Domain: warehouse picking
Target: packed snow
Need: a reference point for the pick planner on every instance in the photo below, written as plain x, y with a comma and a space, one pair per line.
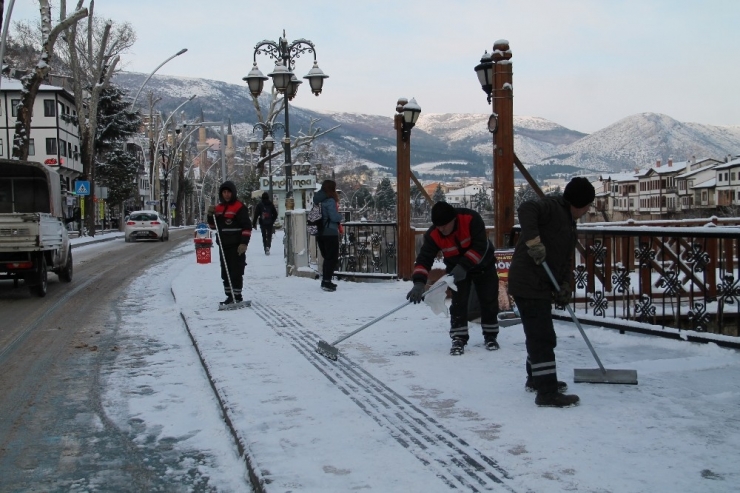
396, 412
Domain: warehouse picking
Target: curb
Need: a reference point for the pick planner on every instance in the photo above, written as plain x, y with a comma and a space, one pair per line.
254, 479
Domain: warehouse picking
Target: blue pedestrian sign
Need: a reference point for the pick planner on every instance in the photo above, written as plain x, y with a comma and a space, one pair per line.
82, 187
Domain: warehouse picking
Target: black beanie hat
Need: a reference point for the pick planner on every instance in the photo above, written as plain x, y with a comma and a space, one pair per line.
442, 213
579, 192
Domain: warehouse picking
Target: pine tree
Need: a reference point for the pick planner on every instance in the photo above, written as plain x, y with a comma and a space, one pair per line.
115, 168
385, 197
439, 195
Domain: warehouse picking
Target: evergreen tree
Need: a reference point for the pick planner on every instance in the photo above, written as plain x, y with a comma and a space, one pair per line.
439, 195
482, 201
385, 197
118, 173
115, 168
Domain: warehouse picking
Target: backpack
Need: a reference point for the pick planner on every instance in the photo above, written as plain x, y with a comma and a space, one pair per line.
315, 222
267, 218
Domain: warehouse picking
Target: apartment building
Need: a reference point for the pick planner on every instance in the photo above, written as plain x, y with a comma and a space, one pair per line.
54, 134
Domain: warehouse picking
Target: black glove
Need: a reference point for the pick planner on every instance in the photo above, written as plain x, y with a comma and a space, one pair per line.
459, 273
564, 296
537, 252
417, 293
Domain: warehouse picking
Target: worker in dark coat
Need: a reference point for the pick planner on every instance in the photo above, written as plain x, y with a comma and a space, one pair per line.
265, 214
231, 219
548, 234
460, 235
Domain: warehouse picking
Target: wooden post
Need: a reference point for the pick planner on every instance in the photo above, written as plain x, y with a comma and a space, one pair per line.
406, 242
503, 140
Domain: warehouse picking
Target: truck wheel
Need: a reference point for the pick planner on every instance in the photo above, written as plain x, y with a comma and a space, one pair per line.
65, 275
40, 279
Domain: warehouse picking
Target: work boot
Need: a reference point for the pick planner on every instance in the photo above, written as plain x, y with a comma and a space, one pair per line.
238, 298
458, 347
328, 286
530, 386
556, 399
491, 343
267, 250
229, 300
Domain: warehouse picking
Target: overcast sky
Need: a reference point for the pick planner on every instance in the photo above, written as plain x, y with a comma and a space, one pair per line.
582, 64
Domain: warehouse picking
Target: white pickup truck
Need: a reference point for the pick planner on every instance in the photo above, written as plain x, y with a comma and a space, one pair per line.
33, 237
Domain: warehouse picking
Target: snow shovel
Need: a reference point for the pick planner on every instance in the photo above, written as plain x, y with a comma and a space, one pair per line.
235, 305
600, 375
329, 351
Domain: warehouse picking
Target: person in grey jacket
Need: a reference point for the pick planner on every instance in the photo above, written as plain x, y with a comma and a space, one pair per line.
548, 234
328, 237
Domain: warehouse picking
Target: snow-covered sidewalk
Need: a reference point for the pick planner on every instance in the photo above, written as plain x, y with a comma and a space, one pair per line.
397, 413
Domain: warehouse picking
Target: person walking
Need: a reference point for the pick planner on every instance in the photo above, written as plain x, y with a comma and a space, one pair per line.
328, 237
231, 219
266, 213
460, 235
548, 234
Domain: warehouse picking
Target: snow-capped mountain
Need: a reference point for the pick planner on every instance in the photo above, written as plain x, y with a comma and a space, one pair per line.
450, 144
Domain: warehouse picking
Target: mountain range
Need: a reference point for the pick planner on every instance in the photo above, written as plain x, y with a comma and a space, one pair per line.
445, 146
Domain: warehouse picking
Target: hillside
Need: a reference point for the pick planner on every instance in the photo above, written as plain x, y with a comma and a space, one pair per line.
450, 144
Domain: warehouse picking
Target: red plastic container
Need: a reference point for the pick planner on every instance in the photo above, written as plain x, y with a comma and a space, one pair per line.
203, 250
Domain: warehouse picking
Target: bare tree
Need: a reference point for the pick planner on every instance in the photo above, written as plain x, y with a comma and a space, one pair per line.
92, 54
32, 81
275, 107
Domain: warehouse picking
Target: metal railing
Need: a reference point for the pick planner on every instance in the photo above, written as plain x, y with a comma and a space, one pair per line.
680, 277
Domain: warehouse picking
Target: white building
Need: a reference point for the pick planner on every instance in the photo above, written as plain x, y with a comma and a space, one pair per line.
54, 134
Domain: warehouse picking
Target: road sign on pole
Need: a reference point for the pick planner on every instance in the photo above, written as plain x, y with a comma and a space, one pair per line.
82, 187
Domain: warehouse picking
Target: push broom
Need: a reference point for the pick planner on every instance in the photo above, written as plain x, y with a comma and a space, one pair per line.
600, 375
331, 352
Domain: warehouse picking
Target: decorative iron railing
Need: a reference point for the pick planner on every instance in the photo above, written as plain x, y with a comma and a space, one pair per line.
680, 277
366, 249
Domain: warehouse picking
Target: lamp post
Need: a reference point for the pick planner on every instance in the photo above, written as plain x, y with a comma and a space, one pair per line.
268, 142
407, 113
153, 72
286, 83
495, 76
159, 138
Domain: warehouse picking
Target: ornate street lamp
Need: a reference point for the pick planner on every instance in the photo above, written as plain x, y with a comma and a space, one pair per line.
286, 83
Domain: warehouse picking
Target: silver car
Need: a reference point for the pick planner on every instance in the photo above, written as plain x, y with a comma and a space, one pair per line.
146, 225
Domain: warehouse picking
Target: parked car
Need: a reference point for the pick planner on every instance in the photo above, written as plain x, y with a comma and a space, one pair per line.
146, 225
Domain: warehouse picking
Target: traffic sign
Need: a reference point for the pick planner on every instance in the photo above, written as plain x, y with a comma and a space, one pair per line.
151, 202
201, 228
82, 187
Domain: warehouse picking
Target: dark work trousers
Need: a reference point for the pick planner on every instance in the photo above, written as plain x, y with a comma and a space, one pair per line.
486, 287
329, 248
540, 341
267, 232
235, 264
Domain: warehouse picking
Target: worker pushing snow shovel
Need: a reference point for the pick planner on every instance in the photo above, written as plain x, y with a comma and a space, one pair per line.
230, 220
548, 236
435, 298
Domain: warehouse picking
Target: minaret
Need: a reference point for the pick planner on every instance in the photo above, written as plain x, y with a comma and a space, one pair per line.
230, 150
202, 134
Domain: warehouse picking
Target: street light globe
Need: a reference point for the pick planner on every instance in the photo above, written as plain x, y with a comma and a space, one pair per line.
255, 79
316, 78
411, 111
293, 87
281, 76
484, 71
269, 143
253, 143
